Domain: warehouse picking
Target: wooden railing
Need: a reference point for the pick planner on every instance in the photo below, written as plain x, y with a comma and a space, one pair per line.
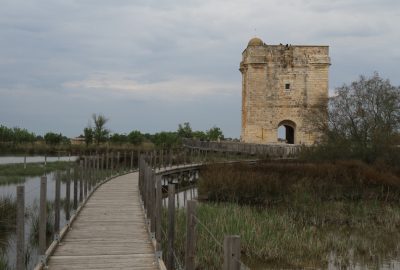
153, 179
91, 172
259, 150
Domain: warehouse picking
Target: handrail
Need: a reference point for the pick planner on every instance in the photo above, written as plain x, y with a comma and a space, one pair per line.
150, 187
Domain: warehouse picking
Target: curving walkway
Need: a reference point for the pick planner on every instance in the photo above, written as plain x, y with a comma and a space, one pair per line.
109, 233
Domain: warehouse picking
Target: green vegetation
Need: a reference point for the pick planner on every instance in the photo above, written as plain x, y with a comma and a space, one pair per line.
297, 214
362, 122
55, 139
16, 135
8, 208
14, 173
297, 235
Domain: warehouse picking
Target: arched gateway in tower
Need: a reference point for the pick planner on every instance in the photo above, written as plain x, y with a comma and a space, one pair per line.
280, 84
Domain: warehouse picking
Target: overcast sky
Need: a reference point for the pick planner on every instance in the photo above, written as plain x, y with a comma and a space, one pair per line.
150, 65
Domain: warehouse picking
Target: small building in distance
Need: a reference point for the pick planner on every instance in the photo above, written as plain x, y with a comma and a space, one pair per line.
78, 140
280, 84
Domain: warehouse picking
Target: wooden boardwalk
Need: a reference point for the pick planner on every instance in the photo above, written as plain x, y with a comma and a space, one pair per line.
109, 233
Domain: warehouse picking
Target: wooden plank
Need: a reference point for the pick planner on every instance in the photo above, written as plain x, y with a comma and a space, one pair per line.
109, 233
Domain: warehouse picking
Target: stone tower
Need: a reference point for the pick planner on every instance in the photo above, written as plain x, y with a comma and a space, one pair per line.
280, 83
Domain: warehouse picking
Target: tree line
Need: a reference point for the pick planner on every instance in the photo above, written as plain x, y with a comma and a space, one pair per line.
98, 133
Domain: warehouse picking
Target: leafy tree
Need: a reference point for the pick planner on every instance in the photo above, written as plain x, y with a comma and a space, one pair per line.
118, 138
215, 133
88, 134
6, 134
200, 135
362, 120
165, 139
185, 131
21, 135
53, 138
135, 137
100, 132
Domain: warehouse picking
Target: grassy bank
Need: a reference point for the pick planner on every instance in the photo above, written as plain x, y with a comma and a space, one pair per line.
14, 173
296, 236
298, 215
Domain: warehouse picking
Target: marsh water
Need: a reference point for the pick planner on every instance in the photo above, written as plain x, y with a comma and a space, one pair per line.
34, 159
32, 194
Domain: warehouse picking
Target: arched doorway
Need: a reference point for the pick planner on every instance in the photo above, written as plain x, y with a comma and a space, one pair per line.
286, 131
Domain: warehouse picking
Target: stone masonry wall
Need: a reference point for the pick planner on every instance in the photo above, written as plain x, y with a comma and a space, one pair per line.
267, 70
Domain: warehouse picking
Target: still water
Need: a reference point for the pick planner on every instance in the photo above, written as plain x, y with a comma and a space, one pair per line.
32, 194
34, 159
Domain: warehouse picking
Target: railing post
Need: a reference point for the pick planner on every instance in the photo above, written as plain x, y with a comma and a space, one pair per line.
20, 228
81, 181
190, 235
75, 206
85, 173
158, 214
68, 196
112, 163
125, 162
102, 166
171, 226
107, 160
25, 161
153, 203
57, 208
131, 160
42, 217
231, 252
118, 162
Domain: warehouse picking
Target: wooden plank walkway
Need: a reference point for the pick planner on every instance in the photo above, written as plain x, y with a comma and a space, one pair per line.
109, 233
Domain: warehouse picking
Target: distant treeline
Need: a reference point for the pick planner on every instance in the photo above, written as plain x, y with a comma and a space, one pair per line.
20, 140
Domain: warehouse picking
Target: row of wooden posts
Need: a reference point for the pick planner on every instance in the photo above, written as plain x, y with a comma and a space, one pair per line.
92, 170
150, 186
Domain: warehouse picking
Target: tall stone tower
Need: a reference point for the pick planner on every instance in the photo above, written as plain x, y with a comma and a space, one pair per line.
280, 83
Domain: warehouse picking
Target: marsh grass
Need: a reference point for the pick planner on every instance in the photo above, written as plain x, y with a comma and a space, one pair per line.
15, 173
288, 236
34, 229
8, 208
298, 215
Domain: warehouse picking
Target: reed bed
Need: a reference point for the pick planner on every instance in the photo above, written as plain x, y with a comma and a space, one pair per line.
296, 215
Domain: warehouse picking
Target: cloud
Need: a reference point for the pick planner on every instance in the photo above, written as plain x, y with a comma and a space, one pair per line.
173, 90
100, 53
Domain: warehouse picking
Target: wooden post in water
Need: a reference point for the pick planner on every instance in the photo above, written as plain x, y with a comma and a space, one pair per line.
25, 161
68, 196
20, 228
42, 215
171, 226
81, 181
45, 160
190, 235
231, 252
57, 207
